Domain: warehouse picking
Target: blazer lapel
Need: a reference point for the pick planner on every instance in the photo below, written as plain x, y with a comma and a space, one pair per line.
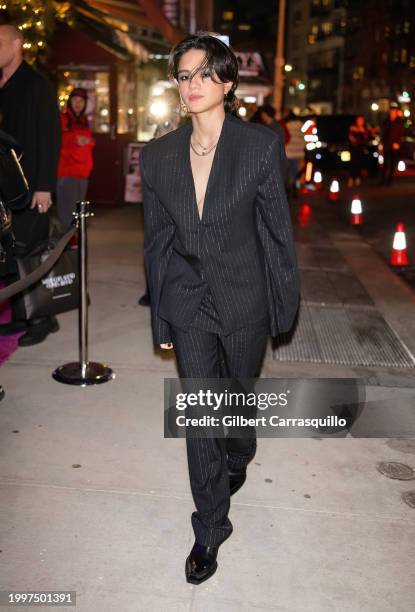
181, 194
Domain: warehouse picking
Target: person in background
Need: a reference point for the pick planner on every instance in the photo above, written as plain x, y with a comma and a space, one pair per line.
392, 133
76, 161
294, 151
29, 113
358, 138
266, 116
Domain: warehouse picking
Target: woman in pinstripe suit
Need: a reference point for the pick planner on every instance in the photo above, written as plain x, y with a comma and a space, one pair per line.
220, 261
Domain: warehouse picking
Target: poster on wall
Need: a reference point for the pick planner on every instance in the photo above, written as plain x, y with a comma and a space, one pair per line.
133, 192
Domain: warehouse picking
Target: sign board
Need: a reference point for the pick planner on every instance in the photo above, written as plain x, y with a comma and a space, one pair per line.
133, 191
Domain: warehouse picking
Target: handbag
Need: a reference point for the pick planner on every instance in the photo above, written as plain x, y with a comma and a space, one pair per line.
6, 234
13, 184
14, 191
56, 292
5, 221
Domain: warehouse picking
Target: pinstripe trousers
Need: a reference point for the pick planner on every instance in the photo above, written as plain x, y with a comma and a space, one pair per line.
211, 354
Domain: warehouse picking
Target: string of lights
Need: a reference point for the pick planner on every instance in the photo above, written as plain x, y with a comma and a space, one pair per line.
36, 19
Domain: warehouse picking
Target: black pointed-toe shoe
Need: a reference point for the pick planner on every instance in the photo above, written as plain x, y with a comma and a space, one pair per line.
237, 477
201, 564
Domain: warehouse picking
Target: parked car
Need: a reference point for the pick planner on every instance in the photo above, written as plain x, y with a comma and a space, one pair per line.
331, 152
407, 151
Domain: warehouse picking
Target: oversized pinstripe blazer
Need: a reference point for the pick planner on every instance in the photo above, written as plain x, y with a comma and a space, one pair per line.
242, 248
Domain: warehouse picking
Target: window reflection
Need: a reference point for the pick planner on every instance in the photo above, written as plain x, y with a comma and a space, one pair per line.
126, 120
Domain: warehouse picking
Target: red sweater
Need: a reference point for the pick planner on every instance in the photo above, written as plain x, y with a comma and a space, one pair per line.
75, 159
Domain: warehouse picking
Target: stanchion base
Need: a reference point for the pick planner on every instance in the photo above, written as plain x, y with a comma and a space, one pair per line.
71, 374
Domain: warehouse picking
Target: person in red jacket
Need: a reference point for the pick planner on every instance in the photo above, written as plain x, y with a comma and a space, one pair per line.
76, 162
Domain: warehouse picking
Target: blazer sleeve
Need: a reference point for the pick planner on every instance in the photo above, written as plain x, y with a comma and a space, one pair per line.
276, 237
159, 232
48, 126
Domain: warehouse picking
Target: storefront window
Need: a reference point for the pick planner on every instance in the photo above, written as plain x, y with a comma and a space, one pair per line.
126, 119
96, 82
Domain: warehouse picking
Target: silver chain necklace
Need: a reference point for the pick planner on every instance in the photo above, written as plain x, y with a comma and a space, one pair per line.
205, 150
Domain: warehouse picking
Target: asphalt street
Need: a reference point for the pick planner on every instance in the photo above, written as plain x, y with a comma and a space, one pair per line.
384, 206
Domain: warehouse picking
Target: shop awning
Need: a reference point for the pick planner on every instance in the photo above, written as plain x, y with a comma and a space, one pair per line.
142, 20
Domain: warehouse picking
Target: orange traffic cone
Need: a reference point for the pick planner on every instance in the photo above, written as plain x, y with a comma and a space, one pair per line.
356, 211
304, 215
399, 256
334, 190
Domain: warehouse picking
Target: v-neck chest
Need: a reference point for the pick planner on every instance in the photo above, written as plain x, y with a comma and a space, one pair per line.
201, 169
208, 175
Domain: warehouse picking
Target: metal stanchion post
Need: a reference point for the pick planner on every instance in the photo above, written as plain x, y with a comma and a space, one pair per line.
83, 372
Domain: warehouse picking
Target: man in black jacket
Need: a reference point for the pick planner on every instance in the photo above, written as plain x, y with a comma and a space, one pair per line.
29, 112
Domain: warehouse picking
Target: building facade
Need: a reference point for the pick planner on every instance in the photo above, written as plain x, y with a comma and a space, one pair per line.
348, 56
315, 55
379, 60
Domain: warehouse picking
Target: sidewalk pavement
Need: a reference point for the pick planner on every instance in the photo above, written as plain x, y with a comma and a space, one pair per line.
383, 208
94, 499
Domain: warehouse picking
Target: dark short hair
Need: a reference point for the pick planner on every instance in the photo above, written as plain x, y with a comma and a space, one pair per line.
268, 110
218, 58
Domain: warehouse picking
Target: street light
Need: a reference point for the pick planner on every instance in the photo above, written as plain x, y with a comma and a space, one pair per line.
404, 97
159, 108
157, 90
375, 106
288, 68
